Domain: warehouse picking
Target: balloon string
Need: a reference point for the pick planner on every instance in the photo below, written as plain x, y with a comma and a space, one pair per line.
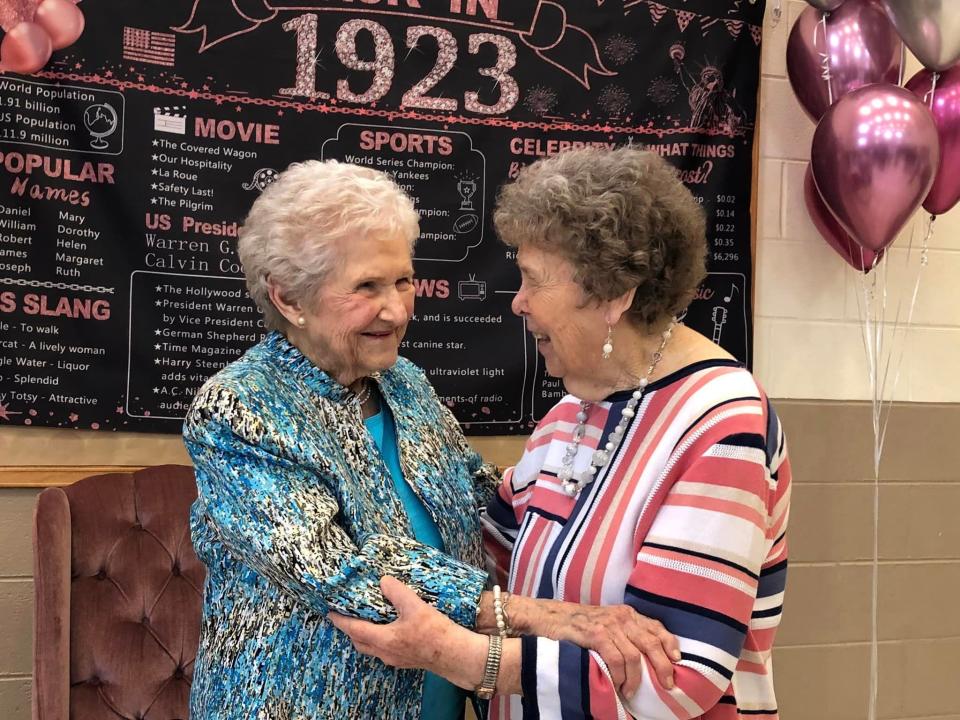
924, 260
861, 300
903, 62
895, 350
824, 56
879, 328
933, 88
873, 316
867, 309
874, 604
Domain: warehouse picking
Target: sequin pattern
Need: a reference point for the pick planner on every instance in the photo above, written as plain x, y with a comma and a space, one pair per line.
297, 516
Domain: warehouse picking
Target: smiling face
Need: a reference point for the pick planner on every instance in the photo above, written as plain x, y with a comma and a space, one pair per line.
355, 321
569, 329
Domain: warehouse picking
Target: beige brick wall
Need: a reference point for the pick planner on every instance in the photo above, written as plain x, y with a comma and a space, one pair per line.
823, 650
807, 338
808, 345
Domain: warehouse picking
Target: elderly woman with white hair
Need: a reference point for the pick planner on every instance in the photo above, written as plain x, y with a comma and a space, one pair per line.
325, 463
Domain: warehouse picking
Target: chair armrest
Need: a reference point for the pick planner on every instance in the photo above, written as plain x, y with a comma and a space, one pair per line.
51, 615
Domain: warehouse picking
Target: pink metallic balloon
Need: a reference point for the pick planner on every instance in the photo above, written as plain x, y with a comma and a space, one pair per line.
62, 20
857, 257
25, 49
946, 114
874, 157
863, 48
14, 12
826, 5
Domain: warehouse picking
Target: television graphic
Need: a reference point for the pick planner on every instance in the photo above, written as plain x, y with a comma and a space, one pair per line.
472, 289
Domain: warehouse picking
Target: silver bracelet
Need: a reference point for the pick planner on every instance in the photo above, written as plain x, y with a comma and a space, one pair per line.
488, 686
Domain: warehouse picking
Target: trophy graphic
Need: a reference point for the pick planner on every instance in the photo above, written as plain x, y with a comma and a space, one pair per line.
466, 187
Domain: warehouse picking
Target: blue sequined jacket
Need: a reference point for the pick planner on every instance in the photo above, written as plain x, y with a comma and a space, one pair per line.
297, 515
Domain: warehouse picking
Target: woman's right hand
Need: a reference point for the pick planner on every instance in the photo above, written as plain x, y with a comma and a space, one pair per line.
618, 633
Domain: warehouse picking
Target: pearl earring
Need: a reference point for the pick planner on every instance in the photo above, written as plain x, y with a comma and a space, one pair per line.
608, 345
301, 321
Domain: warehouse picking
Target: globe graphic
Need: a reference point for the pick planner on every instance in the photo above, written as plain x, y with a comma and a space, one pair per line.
100, 120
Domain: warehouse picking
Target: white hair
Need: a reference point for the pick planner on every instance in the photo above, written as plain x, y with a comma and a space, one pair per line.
288, 235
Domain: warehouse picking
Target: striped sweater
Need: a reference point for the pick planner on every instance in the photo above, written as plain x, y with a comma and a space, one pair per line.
686, 523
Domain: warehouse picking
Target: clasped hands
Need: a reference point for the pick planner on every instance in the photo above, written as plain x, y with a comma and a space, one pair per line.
422, 637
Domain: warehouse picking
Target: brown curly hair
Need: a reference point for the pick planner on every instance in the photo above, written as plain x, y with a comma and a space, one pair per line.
621, 217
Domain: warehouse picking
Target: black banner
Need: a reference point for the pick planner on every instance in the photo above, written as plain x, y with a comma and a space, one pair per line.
128, 163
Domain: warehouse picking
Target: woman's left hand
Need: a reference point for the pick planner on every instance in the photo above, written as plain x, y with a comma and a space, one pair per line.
618, 633
420, 637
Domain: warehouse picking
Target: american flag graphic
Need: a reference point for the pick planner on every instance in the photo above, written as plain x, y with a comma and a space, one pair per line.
148, 46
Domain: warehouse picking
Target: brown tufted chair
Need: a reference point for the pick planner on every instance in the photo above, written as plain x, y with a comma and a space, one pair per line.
117, 597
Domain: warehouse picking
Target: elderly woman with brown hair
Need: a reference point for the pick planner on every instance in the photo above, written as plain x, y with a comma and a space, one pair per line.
660, 482
324, 462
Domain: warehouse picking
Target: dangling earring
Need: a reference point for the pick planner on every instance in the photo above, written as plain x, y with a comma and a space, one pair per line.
608, 345
301, 321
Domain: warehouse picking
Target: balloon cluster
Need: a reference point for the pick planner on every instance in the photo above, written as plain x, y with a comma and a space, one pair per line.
34, 30
880, 151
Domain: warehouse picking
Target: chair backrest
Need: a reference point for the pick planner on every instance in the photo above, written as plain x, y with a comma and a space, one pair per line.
118, 592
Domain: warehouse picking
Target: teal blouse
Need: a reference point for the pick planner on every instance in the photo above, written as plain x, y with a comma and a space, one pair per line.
442, 700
